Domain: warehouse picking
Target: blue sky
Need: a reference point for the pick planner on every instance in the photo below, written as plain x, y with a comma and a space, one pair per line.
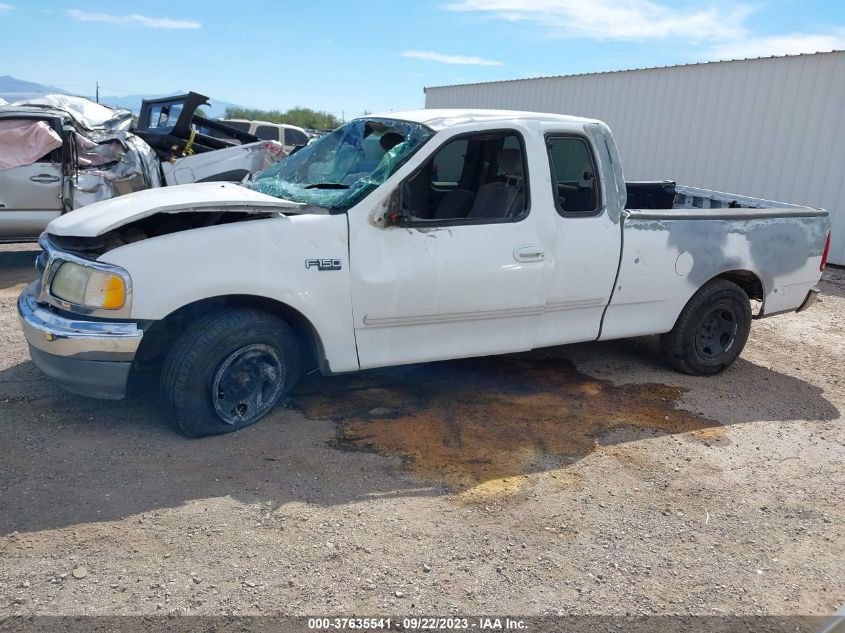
376, 55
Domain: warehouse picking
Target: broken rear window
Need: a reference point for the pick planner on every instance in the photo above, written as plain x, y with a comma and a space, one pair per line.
165, 115
340, 168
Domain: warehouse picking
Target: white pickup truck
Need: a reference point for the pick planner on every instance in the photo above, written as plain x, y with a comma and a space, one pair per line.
404, 238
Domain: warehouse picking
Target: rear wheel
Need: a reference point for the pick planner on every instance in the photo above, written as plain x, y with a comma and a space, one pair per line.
711, 330
228, 370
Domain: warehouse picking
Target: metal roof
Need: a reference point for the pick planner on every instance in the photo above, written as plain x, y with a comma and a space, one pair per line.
632, 70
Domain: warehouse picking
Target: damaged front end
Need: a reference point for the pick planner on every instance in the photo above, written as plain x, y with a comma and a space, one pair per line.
91, 247
107, 164
110, 224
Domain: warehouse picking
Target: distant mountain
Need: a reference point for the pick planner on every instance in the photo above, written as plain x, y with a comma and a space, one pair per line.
12, 89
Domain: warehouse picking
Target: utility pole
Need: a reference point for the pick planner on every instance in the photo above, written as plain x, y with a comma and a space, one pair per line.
97, 97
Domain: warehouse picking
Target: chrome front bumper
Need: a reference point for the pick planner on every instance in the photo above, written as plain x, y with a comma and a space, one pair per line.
89, 357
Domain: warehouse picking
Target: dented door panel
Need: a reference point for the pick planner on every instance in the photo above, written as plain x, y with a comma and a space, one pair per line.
30, 197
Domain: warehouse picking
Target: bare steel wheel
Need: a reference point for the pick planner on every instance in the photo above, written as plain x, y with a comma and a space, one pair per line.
717, 332
247, 384
228, 370
710, 331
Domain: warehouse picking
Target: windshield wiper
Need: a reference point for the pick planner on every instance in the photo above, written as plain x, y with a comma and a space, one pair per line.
326, 185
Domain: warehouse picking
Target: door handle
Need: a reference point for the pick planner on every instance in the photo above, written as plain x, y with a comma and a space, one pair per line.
529, 253
44, 178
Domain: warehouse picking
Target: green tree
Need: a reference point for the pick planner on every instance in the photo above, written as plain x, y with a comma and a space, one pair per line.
299, 116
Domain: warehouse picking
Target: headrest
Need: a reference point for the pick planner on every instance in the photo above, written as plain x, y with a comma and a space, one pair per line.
389, 140
510, 162
586, 176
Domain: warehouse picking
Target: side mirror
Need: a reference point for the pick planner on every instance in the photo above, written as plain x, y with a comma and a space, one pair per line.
390, 212
394, 215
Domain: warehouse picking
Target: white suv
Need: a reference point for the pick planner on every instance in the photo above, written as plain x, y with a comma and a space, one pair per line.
288, 135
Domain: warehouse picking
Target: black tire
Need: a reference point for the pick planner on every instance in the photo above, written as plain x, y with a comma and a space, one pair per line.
711, 330
226, 356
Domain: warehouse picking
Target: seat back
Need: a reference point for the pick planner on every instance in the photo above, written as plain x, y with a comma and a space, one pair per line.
502, 199
455, 204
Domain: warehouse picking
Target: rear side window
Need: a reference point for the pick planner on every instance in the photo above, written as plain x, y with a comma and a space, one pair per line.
574, 176
267, 132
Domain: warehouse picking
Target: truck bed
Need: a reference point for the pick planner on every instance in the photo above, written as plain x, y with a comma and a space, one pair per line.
665, 194
677, 238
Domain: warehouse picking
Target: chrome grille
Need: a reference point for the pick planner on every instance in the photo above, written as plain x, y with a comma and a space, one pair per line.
41, 263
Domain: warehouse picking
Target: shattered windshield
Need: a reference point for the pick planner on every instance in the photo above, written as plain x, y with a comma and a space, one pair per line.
340, 168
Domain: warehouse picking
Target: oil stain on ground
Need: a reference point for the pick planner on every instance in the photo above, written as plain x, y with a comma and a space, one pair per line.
483, 426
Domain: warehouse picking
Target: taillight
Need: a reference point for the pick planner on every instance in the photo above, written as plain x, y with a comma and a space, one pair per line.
824, 254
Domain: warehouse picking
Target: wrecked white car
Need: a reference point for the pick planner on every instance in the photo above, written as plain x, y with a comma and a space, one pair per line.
59, 153
405, 238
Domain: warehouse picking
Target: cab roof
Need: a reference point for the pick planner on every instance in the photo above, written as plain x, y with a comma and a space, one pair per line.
439, 119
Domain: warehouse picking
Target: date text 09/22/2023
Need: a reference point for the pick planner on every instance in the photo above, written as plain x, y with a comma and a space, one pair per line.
418, 624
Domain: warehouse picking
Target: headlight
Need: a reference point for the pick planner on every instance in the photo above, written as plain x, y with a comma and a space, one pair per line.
89, 287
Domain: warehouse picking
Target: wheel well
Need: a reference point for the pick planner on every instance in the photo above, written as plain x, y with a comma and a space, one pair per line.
746, 280
161, 335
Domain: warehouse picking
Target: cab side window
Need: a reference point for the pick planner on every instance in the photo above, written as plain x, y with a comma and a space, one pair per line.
473, 179
574, 176
295, 137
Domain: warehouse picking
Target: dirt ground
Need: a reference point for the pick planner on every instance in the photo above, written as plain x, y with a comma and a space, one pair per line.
586, 479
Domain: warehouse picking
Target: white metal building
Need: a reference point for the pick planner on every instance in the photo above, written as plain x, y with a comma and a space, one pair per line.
769, 127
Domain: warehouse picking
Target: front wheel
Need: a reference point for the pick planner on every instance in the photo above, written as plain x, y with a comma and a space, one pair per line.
711, 330
228, 370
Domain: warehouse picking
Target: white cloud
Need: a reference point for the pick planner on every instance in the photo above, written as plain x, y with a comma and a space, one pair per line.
766, 46
461, 60
140, 20
6, 7
616, 19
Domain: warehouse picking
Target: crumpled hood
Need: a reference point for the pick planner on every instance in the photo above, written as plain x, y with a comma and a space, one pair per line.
101, 217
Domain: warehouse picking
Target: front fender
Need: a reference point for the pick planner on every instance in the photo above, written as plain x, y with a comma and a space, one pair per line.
263, 258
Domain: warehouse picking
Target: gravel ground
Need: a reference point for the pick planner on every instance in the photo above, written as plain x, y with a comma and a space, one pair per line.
581, 479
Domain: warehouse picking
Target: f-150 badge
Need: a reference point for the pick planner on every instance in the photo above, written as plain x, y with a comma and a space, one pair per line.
323, 264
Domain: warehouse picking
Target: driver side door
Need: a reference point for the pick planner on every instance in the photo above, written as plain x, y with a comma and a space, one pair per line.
433, 289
